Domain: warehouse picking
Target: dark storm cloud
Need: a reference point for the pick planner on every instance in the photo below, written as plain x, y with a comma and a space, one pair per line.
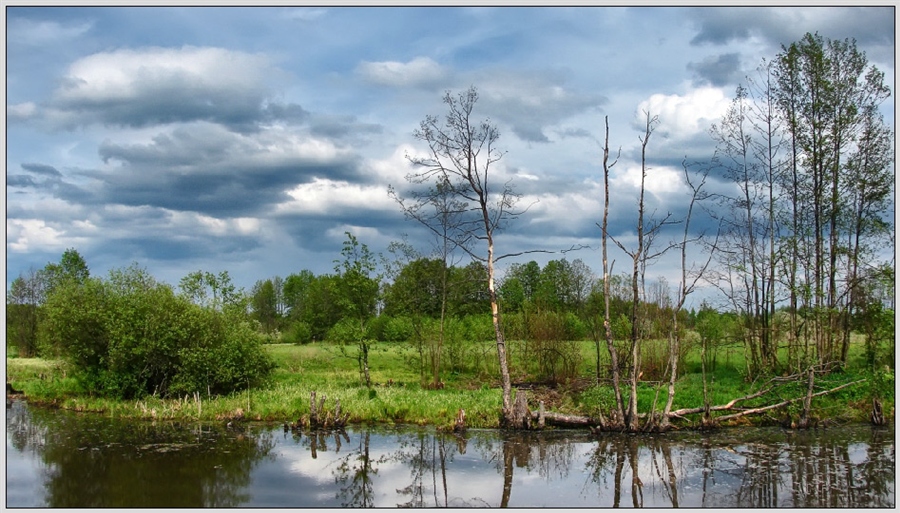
205, 168
287, 112
163, 104
529, 104
42, 169
19, 181
40, 176
224, 192
45, 178
342, 127
781, 26
164, 247
718, 70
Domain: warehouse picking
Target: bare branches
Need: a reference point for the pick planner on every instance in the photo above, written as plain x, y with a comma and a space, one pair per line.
461, 154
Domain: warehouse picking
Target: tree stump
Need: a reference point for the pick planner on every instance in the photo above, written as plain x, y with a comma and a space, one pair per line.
313, 411
460, 425
877, 416
521, 417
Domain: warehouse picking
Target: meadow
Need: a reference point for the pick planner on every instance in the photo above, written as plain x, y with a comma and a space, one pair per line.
400, 395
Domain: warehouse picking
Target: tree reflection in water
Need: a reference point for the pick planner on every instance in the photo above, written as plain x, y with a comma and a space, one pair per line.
93, 461
780, 469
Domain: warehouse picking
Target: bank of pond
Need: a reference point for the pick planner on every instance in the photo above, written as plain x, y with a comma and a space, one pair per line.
398, 394
61, 458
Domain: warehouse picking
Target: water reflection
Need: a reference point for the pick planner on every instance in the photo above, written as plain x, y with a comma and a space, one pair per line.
61, 459
90, 461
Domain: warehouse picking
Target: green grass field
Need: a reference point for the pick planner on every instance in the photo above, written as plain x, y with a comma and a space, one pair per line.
470, 383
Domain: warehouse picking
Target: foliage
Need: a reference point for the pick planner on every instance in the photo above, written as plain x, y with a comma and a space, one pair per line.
23, 312
298, 332
129, 336
264, 305
357, 297
215, 291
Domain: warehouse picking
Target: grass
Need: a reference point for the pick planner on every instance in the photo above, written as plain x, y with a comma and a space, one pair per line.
397, 396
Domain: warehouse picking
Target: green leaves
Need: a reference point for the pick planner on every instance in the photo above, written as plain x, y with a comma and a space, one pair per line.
130, 336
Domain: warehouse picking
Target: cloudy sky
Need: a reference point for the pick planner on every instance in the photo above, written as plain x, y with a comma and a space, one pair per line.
251, 139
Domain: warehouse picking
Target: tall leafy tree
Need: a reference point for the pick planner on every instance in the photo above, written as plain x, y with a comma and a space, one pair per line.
829, 95
216, 291
264, 304
23, 302
71, 267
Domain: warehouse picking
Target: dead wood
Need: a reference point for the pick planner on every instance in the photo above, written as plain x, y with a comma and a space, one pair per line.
877, 416
761, 409
319, 417
543, 417
460, 425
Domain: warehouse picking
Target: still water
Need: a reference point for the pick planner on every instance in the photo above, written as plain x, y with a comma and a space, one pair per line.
64, 459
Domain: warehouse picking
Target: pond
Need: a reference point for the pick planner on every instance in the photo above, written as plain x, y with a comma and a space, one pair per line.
64, 459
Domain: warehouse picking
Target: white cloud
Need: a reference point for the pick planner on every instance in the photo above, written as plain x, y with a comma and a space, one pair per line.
306, 14
661, 180
419, 71
324, 196
682, 117
365, 234
572, 208
218, 227
393, 169
129, 73
154, 85
34, 235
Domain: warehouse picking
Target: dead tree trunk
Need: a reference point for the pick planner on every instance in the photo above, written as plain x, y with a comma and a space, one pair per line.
320, 418
804, 421
607, 326
877, 416
521, 416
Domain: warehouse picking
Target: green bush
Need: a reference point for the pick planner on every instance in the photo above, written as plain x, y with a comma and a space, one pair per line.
397, 329
230, 360
298, 332
129, 336
479, 328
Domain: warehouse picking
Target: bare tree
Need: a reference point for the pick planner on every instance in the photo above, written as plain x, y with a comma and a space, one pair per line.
607, 326
462, 153
640, 256
689, 278
442, 213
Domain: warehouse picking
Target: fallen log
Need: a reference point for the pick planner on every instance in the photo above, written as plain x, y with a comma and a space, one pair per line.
761, 409
722, 407
563, 420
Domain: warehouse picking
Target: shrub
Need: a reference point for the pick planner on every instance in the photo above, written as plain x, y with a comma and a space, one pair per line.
130, 336
397, 329
298, 332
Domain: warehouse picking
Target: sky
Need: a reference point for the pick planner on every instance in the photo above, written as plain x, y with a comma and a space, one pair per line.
250, 139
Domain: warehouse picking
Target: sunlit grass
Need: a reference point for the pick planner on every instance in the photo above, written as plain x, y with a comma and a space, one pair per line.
397, 394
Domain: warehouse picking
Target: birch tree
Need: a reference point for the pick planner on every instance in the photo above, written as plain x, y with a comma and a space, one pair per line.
462, 157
